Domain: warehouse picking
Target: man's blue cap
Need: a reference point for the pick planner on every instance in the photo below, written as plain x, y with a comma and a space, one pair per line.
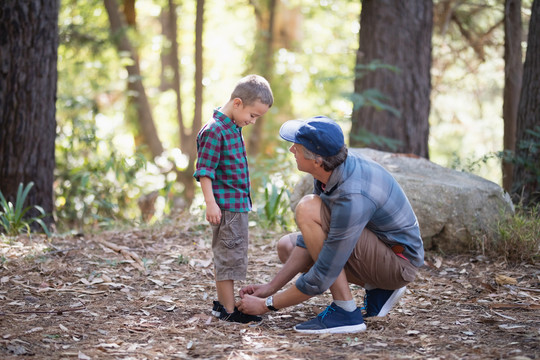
319, 134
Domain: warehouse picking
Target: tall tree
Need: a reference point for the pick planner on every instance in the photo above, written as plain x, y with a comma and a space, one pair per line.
396, 33
135, 84
188, 136
527, 168
278, 27
513, 71
28, 75
262, 59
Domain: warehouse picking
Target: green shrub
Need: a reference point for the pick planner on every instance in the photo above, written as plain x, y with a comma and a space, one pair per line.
519, 236
12, 217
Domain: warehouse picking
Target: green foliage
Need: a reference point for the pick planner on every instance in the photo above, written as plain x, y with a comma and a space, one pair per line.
367, 138
12, 217
275, 209
182, 260
97, 189
519, 236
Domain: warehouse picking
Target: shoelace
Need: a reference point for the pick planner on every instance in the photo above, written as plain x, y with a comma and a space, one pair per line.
327, 311
364, 308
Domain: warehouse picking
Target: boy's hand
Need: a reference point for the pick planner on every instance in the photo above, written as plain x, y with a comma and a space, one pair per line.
213, 213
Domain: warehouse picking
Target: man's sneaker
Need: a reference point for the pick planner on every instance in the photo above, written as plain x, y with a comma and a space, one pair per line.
236, 316
378, 302
334, 320
216, 310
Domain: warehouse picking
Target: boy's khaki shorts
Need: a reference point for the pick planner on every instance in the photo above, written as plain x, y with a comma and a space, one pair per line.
373, 264
230, 246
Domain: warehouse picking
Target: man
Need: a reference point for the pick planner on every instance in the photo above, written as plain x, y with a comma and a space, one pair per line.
357, 227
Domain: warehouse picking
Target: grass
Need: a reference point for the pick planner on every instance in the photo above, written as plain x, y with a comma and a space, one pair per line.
519, 236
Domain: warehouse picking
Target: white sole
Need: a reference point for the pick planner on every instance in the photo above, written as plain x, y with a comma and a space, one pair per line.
338, 330
392, 300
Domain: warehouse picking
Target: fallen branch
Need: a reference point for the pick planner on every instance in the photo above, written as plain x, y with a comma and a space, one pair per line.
39, 290
129, 255
58, 312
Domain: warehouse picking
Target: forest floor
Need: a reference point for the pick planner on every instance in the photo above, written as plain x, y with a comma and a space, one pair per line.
147, 294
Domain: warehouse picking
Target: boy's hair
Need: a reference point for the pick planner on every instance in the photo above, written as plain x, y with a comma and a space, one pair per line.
252, 88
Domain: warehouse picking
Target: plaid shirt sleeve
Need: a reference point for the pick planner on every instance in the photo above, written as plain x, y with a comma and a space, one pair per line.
208, 153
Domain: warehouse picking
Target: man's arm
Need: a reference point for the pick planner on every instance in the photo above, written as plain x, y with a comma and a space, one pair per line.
253, 301
213, 212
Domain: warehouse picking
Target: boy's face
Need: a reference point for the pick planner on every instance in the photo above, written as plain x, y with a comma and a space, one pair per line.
248, 114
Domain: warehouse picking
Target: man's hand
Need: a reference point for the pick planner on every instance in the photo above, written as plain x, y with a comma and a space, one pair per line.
262, 290
252, 305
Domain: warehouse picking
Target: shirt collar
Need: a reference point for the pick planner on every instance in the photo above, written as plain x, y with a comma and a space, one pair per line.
224, 119
335, 178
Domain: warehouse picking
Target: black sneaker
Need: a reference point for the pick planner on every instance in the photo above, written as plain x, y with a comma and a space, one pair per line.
378, 302
334, 320
236, 316
217, 309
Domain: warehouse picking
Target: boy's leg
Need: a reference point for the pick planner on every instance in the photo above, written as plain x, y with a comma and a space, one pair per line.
225, 294
229, 246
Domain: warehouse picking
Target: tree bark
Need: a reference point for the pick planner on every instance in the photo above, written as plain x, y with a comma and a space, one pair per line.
262, 60
28, 77
396, 33
145, 119
527, 169
513, 72
188, 137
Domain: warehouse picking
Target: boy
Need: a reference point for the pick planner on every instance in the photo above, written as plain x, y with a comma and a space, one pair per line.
222, 170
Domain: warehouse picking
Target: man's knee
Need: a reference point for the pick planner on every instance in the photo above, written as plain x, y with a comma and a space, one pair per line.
285, 246
308, 209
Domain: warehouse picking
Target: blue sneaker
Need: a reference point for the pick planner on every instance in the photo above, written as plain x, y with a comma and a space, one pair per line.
334, 320
378, 302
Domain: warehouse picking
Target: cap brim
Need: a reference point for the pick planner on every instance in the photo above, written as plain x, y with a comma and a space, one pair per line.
288, 130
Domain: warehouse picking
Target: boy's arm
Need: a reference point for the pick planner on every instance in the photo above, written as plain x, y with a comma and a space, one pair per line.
213, 212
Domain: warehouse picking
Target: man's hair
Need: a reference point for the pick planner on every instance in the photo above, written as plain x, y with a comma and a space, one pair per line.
329, 163
252, 88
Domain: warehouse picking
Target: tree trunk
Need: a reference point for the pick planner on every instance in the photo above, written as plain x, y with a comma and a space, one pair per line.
188, 137
262, 61
28, 76
513, 71
527, 168
168, 30
145, 119
396, 33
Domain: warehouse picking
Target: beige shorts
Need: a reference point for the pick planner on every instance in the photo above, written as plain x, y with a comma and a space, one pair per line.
230, 246
372, 264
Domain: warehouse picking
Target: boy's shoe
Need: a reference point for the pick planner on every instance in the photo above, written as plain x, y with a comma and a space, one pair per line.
334, 320
216, 310
378, 302
236, 316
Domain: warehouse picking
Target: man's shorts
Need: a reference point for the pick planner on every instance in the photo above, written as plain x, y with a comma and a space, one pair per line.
372, 264
230, 246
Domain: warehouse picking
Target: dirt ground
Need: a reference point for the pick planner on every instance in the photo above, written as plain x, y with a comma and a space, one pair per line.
147, 294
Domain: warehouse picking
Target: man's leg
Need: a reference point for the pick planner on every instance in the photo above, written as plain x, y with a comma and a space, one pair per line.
285, 246
380, 271
308, 218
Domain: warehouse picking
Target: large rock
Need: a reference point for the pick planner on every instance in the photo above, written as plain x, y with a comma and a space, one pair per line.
454, 209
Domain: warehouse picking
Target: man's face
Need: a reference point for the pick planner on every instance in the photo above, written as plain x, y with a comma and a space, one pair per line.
302, 163
248, 114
